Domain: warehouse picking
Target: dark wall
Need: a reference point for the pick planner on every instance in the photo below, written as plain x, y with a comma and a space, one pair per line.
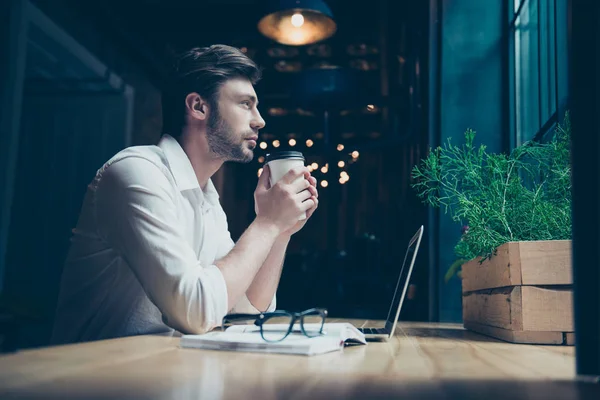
11, 78
106, 42
4, 31
468, 79
585, 91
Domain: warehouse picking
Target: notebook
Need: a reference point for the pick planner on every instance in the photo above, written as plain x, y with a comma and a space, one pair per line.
247, 338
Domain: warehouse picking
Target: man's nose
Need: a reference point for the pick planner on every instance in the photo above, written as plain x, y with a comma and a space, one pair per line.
258, 122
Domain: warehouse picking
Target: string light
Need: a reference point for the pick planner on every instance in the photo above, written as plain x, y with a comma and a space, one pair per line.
344, 177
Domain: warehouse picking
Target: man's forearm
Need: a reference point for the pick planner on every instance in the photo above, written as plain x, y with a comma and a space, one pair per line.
261, 291
241, 265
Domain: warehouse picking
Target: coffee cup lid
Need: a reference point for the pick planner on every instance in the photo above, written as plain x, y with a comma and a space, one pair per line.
281, 155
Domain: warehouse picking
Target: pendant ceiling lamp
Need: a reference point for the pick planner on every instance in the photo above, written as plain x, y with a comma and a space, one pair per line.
297, 22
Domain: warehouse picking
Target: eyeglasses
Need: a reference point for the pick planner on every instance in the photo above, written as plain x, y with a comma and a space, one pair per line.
277, 325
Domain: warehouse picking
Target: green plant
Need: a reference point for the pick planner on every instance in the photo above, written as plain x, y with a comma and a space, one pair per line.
525, 195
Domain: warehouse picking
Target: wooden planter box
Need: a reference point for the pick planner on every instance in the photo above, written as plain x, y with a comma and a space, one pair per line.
523, 294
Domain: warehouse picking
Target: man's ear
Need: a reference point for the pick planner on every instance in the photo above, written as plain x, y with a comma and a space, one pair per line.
196, 106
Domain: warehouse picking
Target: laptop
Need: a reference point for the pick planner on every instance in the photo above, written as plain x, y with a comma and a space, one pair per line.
401, 287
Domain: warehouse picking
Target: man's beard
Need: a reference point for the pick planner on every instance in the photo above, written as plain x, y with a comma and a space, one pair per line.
224, 143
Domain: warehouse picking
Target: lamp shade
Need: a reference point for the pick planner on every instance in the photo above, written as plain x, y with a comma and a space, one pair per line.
297, 22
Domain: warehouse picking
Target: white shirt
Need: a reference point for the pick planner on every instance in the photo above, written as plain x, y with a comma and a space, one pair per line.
143, 252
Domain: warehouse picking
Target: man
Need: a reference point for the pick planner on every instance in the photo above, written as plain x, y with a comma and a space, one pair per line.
152, 251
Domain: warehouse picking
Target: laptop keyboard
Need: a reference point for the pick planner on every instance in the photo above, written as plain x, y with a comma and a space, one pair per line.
373, 331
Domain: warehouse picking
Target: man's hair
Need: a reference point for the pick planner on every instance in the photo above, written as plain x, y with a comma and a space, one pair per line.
202, 70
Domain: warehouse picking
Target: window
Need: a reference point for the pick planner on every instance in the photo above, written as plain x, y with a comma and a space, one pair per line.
537, 38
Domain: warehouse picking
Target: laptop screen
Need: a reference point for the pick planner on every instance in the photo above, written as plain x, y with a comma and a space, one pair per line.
403, 279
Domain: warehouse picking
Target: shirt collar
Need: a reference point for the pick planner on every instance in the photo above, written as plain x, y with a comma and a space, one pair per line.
182, 169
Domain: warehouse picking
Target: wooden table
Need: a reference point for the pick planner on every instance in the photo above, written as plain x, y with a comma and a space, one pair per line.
421, 361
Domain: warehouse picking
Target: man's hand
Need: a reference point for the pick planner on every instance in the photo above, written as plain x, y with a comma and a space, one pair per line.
282, 205
315, 198
263, 287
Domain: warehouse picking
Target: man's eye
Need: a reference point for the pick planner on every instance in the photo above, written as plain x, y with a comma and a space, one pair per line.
246, 103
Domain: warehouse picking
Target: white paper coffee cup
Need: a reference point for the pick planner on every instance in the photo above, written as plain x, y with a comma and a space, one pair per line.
281, 162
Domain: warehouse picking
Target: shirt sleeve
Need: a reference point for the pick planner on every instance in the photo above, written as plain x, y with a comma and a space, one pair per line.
243, 306
136, 213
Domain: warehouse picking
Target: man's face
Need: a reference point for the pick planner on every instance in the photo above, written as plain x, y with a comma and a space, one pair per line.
232, 130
